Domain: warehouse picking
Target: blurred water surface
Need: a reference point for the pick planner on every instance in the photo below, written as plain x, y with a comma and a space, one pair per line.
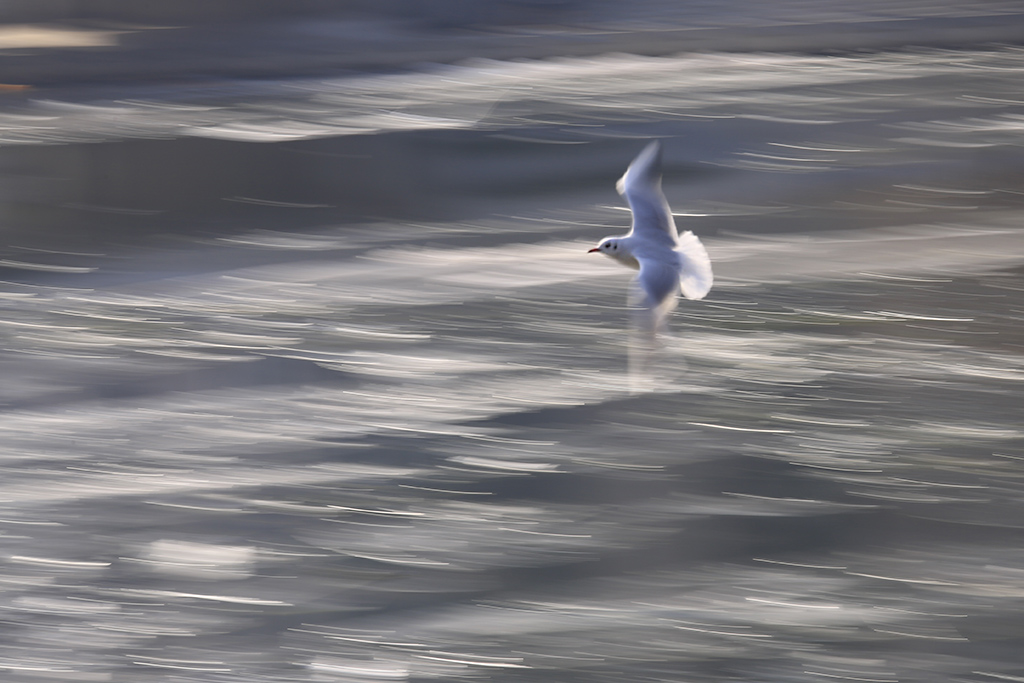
280, 438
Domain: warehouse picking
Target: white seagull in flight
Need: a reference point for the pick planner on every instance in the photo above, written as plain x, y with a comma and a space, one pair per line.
667, 261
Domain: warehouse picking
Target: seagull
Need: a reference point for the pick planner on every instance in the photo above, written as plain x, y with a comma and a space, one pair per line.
667, 261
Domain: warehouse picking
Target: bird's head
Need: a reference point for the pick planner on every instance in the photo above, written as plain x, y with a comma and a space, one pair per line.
609, 246
617, 248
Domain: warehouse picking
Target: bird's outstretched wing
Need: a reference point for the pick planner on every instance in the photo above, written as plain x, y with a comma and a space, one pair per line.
694, 267
641, 185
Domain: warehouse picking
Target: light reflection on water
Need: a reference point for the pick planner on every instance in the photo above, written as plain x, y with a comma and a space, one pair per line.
417, 460
586, 94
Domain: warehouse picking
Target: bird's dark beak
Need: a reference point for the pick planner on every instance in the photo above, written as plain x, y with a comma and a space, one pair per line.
591, 251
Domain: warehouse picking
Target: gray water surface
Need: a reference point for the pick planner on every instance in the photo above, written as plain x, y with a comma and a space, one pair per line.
321, 447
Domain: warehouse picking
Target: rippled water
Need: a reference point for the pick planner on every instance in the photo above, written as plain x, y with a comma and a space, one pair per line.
584, 95
400, 450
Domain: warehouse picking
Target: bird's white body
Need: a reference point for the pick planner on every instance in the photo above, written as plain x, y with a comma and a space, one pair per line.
668, 262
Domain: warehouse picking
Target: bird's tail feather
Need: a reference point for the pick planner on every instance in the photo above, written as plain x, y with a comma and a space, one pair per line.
695, 276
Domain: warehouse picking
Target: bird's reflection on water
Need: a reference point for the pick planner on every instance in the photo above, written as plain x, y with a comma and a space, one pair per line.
405, 450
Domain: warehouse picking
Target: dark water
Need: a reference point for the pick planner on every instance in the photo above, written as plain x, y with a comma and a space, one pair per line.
252, 433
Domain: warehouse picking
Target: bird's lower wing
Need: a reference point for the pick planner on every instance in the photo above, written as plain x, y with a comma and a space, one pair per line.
695, 275
654, 293
652, 297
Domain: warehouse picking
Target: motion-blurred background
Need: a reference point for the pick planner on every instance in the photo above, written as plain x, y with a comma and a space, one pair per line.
307, 375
